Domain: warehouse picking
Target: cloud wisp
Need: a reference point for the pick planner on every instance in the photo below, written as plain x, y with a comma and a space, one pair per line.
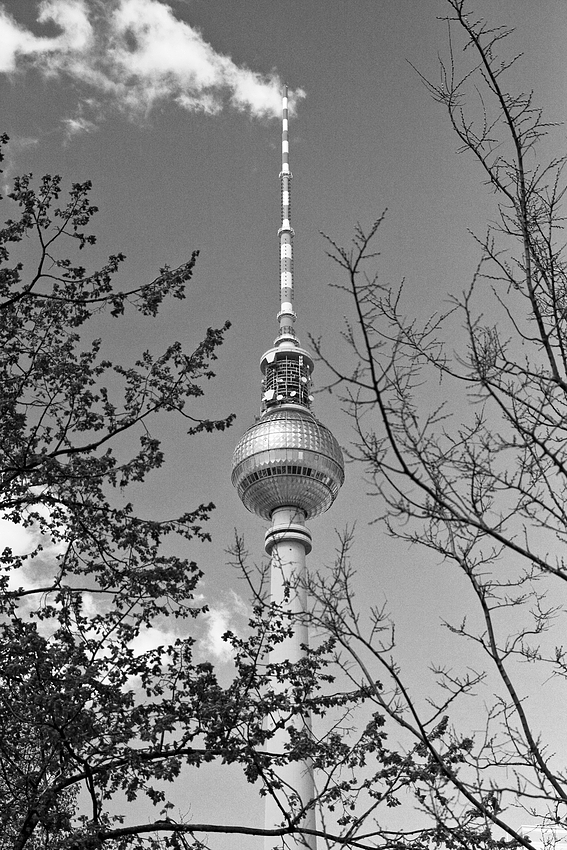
220, 618
133, 55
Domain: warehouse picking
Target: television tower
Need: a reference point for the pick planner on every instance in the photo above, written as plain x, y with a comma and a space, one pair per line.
288, 468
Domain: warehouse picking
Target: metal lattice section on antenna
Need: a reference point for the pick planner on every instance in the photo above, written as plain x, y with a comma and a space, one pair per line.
287, 377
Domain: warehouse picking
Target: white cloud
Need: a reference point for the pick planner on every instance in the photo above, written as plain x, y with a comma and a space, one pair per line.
220, 620
150, 637
16, 537
78, 124
239, 606
38, 571
135, 54
72, 17
22, 143
17, 144
16, 42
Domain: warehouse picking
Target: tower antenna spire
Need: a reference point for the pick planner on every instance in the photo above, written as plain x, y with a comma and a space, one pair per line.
287, 315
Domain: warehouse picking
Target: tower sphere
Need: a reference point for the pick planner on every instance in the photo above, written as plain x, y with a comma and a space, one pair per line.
287, 458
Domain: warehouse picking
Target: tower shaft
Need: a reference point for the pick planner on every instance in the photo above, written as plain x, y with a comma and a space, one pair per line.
287, 543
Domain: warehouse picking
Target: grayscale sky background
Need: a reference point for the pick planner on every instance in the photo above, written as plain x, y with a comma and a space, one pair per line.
172, 110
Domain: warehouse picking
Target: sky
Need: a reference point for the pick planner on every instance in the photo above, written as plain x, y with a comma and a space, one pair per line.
172, 110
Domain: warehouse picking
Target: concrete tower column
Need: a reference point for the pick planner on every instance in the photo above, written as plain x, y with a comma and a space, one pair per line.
288, 468
287, 542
